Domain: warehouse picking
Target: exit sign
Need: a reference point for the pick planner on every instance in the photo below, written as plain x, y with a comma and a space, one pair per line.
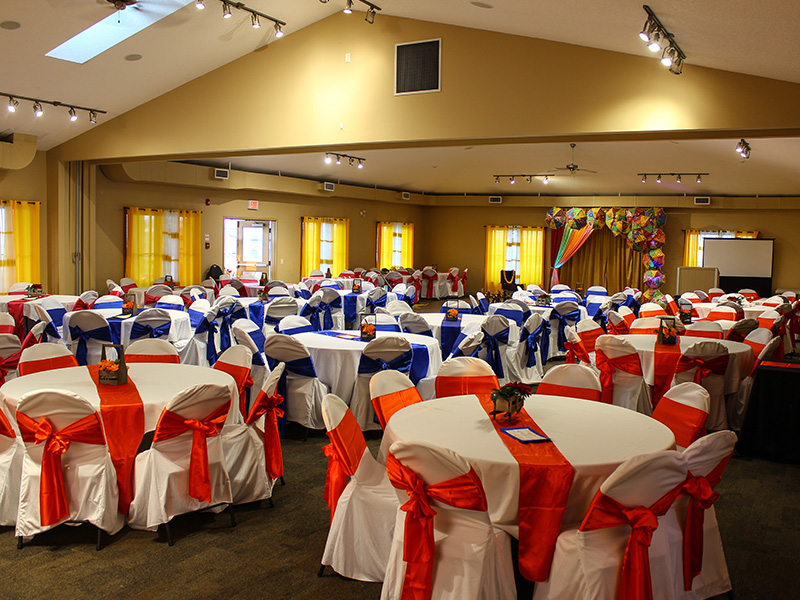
252, 204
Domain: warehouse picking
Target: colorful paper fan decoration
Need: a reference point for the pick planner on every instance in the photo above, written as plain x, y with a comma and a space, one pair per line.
596, 218
637, 239
658, 216
652, 295
653, 278
619, 225
640, 218
611, 214
576, 218
556, 217
657, 239
654, 259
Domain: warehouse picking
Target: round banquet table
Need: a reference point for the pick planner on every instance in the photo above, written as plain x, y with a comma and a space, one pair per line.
594, 437
739, 364
750, 312
336, 356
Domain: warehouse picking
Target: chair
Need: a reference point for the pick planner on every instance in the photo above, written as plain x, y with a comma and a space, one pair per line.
572, 381
168, 302
252, 450
79, 482
151, 350
714, 293
749, 294
462, 306
621, 374
154, 293
277, 310
11, 453
196, 311
44, 357
398, 307
740, 330
363, 509
278, 292
471, 559
391, 391
483, 302
725, 313
495, 345
429, 284
757, 339
705, 329
414, 323
239, 287
589, 331
576, 351
237, 361
55, 311
453, 285
293, 324
301, 291
299, 385
150, 323
465, 375
184, 468
85, 300
562, 314
388, 352
608, 556
248, 334
595, 304
126, 283
737, 404
617, 324
34, 336
684, 409
228, 290
559, 287
515, 311
382, 322
533, 348
651, 309
191, 294
108, 302
324, 310
374, 298
87, 333
645, 326
706, 363
50, 332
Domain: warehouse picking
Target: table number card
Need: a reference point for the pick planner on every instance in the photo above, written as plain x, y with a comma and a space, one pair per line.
526, 435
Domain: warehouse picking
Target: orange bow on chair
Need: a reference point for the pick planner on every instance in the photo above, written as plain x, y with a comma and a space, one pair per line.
268, 406
628, 363
54, 506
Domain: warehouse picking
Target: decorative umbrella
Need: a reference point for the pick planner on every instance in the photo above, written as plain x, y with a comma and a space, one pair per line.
596, 218
653, 278
576, 218
657, 239
654, 259
556, 217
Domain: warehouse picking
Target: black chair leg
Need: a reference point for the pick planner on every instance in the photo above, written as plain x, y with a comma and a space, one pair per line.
99, 545
283, 481
305, 434
19, 543
232, 515
170, 541
321, 571
270, 503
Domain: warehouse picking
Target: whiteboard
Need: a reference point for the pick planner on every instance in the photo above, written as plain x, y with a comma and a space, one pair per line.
739, 257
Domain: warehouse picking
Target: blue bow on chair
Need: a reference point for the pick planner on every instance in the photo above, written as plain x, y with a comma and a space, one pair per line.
303, 367
401, 363
373, 304
102, 334
302, 294
211, 327
327, 313
140, 330
515, 315
537, 342
571, 318
317, 320
602, 320
226, 318
492, 345
195, 317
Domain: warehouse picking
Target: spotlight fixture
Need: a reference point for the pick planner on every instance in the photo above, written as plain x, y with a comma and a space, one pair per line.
254, 21
38, 110
92, 117
200, 4
659, 39
546, 180
370, 18
497, 179
743, 148
278, 31
337, 157
678, 176
226, 10
255, 15
348, 7
324, 1
512, 179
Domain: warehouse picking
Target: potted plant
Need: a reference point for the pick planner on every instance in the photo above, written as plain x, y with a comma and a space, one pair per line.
510, 398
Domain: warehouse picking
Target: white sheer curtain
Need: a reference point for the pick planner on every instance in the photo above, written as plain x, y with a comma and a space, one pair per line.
8, 259
171, 243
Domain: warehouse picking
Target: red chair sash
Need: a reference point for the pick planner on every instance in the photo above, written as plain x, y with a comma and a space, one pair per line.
128, 287
171, 425
268, 406
629, 318
153, 358
589, 338
148, 299
755, 347
388, 404
568, 391
665, 361
628, 363
80, 304
605, 512
618, 329
701, 496
464, 491
459, 386
644, 330
453, 279
47, 364
576, 352
672, 308
9, 364
53, 502
717, 335
115, 292
6, 429
7, 328
713, 366
431, 279
344, 455
686, 422
241, 376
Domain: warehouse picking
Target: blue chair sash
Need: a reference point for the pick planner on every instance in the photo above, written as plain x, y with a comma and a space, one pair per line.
394, 328
571, 318
57, 315
304, 294
210, 327
537, 342
296, 330
255, 311
484, 304
373, 304
102, 334
195, 317
492, 345
349, 304
140, 330
372, 365
164, 305
312, 313
601, 320
512, 315
303, 367
50, 329
448, 334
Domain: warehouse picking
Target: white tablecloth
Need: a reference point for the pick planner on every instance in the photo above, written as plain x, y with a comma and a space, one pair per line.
336, 359
594, 437
434, 321
750, 312
545, 312
29, 307
739, 363
180, 330
138, 293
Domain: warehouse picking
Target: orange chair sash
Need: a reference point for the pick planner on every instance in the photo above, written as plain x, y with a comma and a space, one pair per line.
665, 361
464, 491
273, 453
628, 363
388, 404
5, 426
589, 338
714, 366
152, 358
576, 352
717, 335
243, 380
605, 512
344, 455
652, 313
9, 364
171, 425
568, 391
619, 329
644, 330
46, 364
458, 386
686, 422
53, 502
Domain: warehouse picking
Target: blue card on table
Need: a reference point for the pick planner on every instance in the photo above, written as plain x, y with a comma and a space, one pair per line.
526, 435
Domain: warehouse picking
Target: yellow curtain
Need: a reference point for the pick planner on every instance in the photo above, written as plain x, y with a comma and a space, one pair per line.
495, 255
387, 233
189, 268
531, 256
318, 251
341, 244
309, 248
690, 243
25, 217
604, 259
144, 258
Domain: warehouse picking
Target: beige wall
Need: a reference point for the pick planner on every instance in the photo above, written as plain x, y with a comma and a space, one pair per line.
29, 183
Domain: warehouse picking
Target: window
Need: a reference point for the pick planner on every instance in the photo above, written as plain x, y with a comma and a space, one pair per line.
325, 245
248, 246
517, 248
162, 242
19, 242
694, 242
395, 244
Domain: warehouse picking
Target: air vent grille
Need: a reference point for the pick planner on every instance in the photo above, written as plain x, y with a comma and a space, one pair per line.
417, 67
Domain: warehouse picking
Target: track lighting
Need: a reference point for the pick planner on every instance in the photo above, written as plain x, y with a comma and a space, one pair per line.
256, 24
370, 18
658, 179
255, 15
678, 176
546, 180
355, 161
644, 178
226, 10
700, 179
348, 7
38, 110
278, 31
200, 4
743, 148
496, 179
512, 179
658, 39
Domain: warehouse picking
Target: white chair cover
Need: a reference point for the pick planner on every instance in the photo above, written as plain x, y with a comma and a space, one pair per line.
386, 348
630, 390
11, 455
714, 384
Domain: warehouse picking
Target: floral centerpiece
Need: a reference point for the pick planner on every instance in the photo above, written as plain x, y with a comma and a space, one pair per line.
510, 398
543, 300
667, 332
451, 314
112, 372
128, 308
34, 290
367, 331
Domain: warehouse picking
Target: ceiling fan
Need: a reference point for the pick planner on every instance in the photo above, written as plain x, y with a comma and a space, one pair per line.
572, 167
121, 4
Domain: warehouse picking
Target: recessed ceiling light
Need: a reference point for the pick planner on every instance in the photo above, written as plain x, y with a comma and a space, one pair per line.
133, 57
482, 4
10, 25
